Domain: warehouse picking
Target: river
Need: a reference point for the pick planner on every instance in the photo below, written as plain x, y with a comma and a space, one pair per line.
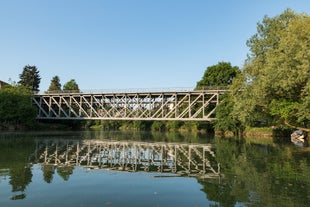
99, 168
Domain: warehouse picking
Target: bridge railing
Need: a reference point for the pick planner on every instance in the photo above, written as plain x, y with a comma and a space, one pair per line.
137, 90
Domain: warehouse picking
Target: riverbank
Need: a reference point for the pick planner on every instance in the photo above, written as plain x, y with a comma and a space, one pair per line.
259, 132
156, 126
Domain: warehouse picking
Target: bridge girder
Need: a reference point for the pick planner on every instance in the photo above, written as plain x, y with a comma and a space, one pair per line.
181, 106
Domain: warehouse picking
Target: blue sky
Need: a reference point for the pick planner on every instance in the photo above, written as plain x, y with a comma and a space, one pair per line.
124, 44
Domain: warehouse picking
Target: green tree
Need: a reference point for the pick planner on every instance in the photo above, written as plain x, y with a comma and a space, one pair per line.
30, 77
71, 86
220, 74
275, 83
16, 106
225, 121
55, 84
173, 125
158, 126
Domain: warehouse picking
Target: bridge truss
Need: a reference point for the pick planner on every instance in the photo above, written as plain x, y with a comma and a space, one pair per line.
183, 159
182, 105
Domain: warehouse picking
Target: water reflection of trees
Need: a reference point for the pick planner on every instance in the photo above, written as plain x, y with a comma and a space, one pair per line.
19, 180
63, 171
187, 137
14, 154
259, 175
253, 174
48, 173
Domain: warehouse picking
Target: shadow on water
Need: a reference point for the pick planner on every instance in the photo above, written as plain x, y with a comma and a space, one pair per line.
245, 172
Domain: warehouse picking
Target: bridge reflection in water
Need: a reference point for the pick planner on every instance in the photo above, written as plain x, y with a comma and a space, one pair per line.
182, 159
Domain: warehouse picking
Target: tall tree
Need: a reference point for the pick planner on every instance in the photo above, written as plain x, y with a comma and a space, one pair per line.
71, 86
220, 74
30, 77
274, 86
55, 84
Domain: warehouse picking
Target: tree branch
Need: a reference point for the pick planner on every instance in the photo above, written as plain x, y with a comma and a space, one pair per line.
290, 125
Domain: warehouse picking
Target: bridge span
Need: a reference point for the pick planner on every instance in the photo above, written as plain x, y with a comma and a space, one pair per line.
185, 105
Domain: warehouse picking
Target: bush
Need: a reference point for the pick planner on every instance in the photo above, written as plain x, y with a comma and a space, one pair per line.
158, 126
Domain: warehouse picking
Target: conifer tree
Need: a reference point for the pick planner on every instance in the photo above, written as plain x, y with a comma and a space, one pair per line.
30, 77
55, 84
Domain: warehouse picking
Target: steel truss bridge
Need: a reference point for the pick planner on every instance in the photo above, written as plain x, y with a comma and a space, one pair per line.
183, 159
193, 105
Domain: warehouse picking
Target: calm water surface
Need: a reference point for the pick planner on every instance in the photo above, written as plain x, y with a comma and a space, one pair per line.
150, 169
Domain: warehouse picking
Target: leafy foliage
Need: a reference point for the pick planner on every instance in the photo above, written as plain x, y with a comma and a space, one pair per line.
158, 126
16, 106
221, 74
71, 86
225, 120
55, 84
30, 77
274, 84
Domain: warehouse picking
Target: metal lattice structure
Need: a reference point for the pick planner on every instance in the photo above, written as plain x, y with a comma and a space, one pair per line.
183, 159
178, 105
